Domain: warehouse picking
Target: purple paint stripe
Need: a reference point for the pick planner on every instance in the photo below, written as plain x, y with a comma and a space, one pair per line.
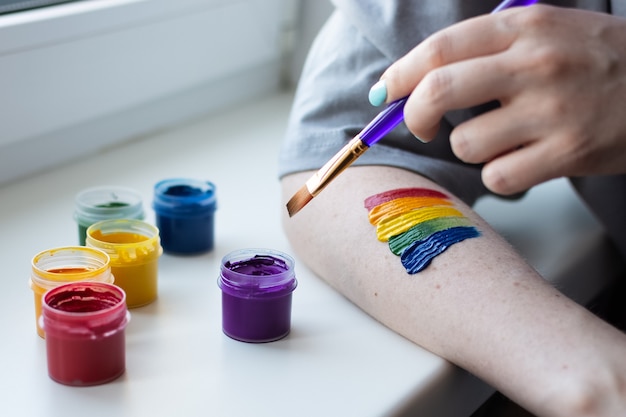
418, 255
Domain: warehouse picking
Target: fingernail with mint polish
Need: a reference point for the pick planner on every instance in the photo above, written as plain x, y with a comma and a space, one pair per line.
378, 93
420, 139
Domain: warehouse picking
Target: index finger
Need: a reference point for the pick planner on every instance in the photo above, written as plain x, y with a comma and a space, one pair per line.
472, 38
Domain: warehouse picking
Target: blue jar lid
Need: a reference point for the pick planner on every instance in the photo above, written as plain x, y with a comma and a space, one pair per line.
183, 196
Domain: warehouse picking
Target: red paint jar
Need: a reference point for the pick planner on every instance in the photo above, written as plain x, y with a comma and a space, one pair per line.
85, 332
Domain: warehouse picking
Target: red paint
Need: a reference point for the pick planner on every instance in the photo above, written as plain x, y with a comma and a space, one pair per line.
85, 339
381, 198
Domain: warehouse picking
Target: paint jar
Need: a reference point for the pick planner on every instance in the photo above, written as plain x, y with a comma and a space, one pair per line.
134, 248
85, 332
257, 287
184, 211
59, 266
102, 203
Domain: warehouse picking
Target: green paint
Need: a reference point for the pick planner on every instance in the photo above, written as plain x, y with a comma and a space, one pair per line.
421, 231
82, 229
113, 204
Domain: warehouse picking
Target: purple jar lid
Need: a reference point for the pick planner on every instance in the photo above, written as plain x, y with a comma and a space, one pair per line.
257, 273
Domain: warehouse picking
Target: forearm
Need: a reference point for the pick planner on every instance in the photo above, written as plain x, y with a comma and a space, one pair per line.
478, 304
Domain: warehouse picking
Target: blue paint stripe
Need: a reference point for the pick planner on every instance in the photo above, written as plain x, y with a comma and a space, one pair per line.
420, 253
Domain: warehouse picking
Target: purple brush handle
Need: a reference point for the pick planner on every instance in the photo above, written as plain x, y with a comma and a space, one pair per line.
506, 4
391, 117
384, 123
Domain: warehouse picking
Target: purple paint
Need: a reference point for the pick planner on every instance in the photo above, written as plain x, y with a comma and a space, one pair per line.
257, 287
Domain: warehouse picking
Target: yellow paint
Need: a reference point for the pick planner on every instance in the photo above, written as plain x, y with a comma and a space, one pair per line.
401, 205
138, 281
134, 256
392, 226
118, 237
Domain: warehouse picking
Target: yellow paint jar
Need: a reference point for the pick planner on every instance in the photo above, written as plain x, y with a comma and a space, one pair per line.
134, 247
54, 267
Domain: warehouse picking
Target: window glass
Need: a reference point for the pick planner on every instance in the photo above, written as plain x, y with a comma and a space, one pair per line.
12, 6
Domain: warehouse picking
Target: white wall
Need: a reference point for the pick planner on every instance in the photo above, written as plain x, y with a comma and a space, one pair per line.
80, 77
310, 17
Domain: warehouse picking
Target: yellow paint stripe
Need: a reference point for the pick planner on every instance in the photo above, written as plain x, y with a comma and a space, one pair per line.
393, 226
401, 205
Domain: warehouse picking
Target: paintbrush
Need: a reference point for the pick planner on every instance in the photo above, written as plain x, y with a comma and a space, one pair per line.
382, 124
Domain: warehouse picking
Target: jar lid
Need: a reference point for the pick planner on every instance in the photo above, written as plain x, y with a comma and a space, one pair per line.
84, 309
257, 273
52, 267
184, 196
107, 202
126, 241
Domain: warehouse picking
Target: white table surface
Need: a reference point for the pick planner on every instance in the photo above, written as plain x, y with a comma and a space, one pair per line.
337, 361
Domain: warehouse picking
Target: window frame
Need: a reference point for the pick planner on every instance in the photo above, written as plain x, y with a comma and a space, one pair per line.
205, 56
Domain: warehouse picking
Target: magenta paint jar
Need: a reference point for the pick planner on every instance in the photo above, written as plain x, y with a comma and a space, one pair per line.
257, 287
184, 211
85, 332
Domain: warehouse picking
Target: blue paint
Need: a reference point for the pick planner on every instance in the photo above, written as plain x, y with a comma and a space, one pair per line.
418, 255
185, 215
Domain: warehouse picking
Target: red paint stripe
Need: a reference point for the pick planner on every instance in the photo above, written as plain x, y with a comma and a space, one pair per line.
378, 199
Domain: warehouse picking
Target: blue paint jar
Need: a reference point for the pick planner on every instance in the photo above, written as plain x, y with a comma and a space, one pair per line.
184, 211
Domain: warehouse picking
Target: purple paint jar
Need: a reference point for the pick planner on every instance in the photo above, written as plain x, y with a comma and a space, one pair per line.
257, 287
184, 215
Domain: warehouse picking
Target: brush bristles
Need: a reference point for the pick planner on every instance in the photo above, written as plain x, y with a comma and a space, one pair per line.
299, 200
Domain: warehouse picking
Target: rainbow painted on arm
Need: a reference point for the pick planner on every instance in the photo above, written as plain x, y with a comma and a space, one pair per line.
418, 223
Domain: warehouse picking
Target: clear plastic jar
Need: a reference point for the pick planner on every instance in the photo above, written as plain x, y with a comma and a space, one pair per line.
134, 248
257, 287
54, 267
85, 326
106, 202
184, 211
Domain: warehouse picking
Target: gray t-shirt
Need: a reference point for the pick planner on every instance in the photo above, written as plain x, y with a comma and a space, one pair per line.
358, 42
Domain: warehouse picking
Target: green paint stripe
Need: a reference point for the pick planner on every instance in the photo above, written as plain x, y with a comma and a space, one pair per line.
422, 231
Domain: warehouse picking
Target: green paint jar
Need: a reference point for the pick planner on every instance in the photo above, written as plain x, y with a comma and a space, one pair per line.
104, 203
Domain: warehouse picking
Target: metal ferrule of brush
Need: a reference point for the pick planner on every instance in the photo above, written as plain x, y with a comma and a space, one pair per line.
342, 160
